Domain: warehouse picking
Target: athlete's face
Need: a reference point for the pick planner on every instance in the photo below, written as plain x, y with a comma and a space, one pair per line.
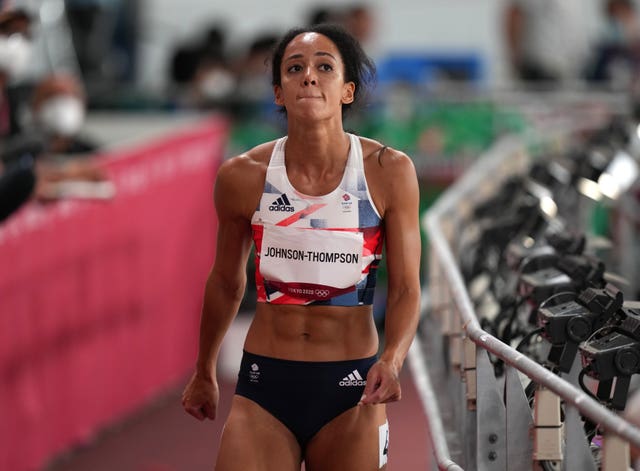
313, 82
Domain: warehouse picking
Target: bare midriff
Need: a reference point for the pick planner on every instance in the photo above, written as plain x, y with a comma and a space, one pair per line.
312, 333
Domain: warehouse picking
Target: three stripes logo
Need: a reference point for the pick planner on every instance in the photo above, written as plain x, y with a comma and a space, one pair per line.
282, 204
353, 379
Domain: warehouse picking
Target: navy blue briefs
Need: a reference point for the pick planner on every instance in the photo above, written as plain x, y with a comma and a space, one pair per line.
303, 395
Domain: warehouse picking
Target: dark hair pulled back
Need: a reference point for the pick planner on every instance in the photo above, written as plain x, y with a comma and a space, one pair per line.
358, 67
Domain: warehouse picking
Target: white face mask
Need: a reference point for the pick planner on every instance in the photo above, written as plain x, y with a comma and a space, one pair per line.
216, 84
62, 115
15, 54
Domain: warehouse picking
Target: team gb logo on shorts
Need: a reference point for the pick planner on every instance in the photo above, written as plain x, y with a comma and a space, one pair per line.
254, 374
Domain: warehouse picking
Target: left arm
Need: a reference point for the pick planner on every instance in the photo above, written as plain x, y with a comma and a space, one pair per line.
403, 247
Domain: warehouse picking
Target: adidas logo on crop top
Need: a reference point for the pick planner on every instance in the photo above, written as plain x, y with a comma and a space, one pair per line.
282, 204
317, 249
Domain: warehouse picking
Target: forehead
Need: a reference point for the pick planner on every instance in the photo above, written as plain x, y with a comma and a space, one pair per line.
310, 43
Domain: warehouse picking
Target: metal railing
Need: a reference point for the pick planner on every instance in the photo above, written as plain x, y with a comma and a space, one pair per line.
493, 422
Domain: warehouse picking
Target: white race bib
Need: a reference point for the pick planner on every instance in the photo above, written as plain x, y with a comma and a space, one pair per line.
322, 257
383, 444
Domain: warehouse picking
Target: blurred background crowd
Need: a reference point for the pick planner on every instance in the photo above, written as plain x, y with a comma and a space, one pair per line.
79, 78
63, 60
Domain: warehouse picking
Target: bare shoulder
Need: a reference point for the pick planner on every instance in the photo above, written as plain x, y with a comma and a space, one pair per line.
240, 179
385, 162
247, 166
390, 173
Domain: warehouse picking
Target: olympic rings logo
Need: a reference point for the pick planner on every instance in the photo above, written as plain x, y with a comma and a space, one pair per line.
323, 293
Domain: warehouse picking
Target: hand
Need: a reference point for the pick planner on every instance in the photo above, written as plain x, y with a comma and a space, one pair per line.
200, 397
50, 176
383, 385
82, 169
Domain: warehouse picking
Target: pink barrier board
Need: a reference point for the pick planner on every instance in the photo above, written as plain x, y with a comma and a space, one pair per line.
100, 300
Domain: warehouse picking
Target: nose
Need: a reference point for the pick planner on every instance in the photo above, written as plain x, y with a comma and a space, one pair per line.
309, 77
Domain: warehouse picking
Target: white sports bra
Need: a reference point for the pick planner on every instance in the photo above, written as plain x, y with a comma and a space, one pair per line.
317, 249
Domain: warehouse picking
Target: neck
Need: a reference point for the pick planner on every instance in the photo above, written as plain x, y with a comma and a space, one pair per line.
319, 146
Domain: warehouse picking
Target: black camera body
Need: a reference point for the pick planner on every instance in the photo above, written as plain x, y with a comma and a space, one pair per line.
614, 356
570, 319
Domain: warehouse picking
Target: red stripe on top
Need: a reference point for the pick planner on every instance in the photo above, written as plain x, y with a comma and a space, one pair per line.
341, 229
373, 237
300, 214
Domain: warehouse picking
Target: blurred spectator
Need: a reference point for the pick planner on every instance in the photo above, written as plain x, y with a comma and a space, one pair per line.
252, 71
26, 171
201, 73
17, 182
213, 84
252, 107
58, 107
15, 54
44, 180
323, 14
104, 39
617, 58
359, 20
17, 171
184, 63
547, 41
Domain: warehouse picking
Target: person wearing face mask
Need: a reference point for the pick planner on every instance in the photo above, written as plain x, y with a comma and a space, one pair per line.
15, 56
201, 74
25, 172
58, 108
213, 83
27, 167
18, 169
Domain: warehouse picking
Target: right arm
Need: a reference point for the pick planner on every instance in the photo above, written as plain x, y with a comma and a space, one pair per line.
226, 282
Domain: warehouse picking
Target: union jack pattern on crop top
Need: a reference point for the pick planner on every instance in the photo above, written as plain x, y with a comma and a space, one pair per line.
321, 250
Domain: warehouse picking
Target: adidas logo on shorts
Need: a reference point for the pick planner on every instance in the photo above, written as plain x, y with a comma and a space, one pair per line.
353, 379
